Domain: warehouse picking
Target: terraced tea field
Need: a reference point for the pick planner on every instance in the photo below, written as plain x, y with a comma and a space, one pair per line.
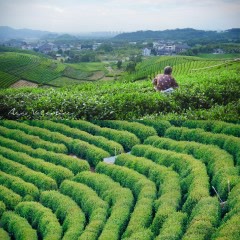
39, 70
170, 180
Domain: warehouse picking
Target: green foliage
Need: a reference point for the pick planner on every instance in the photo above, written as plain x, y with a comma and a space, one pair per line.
174, 227
126, 139
2, 208
73, 164
18, 226
160, 125
24, 189
95, 208
39, 179
203, 219
229, 230
57, 173
167, 181
101, 142
4, 235
120, 198
140, 130
229, 143
67, 211
9, 198
194, 183
40, 218
215, 126
33, 141
143, 189
220, 164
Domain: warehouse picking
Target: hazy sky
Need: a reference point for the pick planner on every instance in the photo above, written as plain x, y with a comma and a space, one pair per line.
119, 15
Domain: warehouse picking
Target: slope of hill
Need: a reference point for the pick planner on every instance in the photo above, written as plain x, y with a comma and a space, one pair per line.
7, 33
38, 69
181, 34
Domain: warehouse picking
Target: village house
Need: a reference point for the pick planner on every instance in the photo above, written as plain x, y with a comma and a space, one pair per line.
146, 52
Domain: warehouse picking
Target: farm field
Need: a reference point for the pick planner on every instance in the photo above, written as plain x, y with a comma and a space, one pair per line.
145, 179
205, 92
37, 69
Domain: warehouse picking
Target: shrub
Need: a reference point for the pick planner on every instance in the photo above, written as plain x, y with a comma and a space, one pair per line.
229, 143
126, 139
93, 154
203, 220
96, 209
41, 218
229, 230
9, 198
42, 181
2, 208
33, 141
67, 211
101, 142
167, 181
120, 198
73, 164
174, 227
143, 189
4, 235
159, 125
18, 226
193, 173
58, 173
220, 164
140, 130
19, 186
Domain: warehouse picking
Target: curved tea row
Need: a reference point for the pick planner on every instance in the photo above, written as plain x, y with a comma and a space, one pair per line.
177, 182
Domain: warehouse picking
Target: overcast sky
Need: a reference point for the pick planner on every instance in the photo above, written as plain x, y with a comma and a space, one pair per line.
75, 16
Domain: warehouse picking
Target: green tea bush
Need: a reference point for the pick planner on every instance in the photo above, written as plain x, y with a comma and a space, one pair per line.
73, 164
95, 208
220, 164
174, 227
2, 208
159, 125
58, 173
229, 230
125, 138
19, 186
193, 173
204, 219
143, 189
33, 141
229, 143
9, 197
120, 198
167, 181
82, 149
142, 235
140, 130
4, 235
44, 135
233, 203
101, 142
40, 180
17, 226
67, 211
91, 153
40, 218
214, 126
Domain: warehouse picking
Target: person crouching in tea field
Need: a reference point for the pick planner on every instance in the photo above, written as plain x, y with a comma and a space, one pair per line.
165, 82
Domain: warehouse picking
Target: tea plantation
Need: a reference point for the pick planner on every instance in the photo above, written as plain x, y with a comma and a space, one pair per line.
169, 180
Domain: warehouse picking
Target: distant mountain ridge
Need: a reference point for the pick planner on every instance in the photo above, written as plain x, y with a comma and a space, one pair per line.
180, 34
11, 33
